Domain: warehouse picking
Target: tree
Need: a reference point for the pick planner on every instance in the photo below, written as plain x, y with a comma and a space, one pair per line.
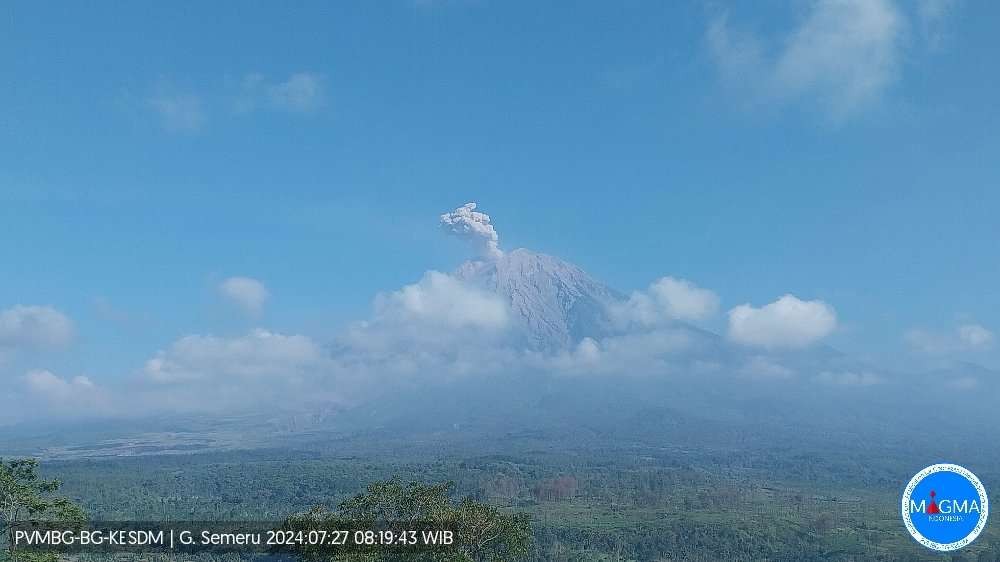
483, 532
556, 489
26, 497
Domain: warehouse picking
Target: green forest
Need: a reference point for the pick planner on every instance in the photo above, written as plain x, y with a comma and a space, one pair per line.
609, 504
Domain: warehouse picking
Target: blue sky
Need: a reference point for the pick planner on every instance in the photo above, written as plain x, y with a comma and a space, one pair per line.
832, 150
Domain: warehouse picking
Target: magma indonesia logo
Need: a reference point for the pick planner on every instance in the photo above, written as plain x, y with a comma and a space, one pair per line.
945, 507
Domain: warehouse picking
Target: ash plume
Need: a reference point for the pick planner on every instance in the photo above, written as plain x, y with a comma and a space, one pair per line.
468, 223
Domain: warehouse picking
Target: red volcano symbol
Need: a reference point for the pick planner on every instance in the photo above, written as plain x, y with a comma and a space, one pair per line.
933, 508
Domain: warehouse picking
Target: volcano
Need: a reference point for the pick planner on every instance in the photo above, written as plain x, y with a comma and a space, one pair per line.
555, 302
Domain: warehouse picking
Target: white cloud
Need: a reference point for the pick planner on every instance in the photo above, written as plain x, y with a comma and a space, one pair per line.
657, 352
739, 56
437, 314
437, 327
967, 337
34, 327
260, 354
468, 223
844, 53
179, 113
188, 112
786, 323
667, 299
302, 92
244, 373
47, 384
444, 301
51, 396
246, 292
975, 336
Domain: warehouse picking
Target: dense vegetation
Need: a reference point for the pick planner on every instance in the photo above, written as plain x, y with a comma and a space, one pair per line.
483, 532
604, 504
26, 496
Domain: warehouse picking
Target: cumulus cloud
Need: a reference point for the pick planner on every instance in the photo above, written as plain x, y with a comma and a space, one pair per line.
245, 292
302, 92
975, 336
437, 314
443, 327
656, 352
844, 53
179, 113
46, 394
967, 337
47, 384
667, 299
785, 323
260, 354
436, 327
444, 301
261, 369
34, 327
469, 224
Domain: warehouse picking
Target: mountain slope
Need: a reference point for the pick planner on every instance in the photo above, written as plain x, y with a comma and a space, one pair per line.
555, 302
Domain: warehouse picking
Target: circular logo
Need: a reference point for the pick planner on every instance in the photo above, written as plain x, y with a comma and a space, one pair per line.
945, 507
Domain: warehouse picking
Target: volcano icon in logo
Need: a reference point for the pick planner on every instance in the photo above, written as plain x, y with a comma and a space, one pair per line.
945, 507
